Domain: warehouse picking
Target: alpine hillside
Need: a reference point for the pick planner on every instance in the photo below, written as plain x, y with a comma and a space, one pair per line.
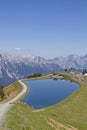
13, 68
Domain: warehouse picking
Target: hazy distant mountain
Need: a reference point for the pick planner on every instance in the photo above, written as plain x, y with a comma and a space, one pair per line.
12, 68
74, 61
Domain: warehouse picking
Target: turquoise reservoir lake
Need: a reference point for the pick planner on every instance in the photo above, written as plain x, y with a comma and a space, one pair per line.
47, 92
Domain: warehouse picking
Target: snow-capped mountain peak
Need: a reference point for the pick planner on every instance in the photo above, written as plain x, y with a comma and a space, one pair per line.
12, 68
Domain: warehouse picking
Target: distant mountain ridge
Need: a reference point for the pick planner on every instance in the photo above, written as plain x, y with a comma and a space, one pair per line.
13, 68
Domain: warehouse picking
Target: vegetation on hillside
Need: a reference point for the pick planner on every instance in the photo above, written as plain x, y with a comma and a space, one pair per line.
34, 75
11, 91
2, 94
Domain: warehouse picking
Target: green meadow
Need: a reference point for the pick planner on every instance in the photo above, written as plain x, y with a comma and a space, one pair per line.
70, 114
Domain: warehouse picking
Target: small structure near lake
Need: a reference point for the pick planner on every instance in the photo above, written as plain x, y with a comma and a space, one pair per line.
85, 72
60, 76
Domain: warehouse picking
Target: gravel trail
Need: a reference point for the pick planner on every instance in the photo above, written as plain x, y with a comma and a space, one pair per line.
6, 106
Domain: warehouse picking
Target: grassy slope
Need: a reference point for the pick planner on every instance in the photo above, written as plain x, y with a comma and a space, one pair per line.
20, 117
12, 90
72, 111
85, 77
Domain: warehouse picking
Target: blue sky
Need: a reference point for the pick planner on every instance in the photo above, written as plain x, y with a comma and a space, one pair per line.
48, 28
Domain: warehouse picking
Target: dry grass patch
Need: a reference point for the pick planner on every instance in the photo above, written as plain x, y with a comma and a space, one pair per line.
58, 126
12, 90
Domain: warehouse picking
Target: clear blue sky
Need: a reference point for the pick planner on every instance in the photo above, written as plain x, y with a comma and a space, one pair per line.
48, 28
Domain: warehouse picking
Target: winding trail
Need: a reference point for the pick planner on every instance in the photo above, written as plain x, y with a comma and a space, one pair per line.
5, 106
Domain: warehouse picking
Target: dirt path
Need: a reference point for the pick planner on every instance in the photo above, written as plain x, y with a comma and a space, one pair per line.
5, 106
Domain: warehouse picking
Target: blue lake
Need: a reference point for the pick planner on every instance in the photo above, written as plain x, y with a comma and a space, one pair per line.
48, 92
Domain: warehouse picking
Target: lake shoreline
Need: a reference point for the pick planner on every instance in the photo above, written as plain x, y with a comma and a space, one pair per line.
47, 92
70, 108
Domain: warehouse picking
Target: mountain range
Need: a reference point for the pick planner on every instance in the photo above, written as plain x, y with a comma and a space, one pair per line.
18, 67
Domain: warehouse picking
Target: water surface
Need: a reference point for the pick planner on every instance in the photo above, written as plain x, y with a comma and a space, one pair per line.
48, 92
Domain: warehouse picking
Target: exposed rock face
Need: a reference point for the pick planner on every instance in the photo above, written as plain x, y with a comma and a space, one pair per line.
12, 68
